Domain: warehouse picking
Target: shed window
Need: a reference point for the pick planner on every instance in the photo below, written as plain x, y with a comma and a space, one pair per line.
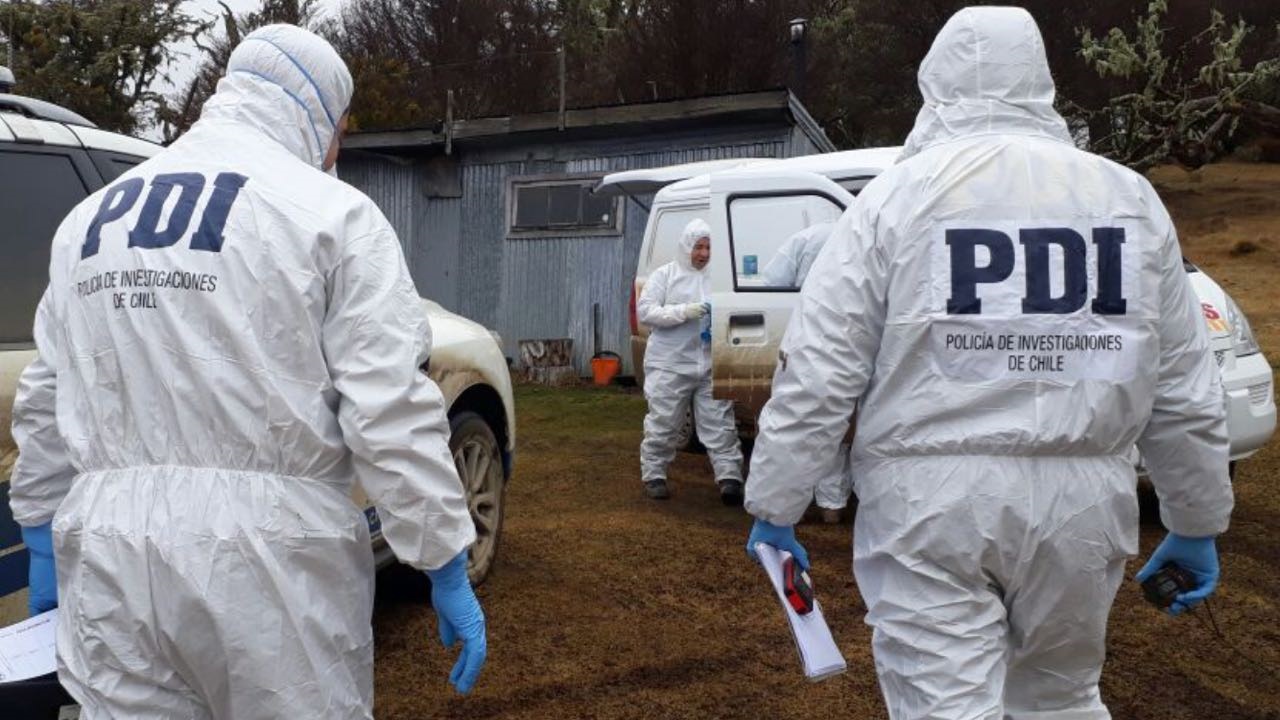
557, 206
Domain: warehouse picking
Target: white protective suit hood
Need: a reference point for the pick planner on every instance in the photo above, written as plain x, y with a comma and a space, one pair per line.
289, 84
693, 232
986, 73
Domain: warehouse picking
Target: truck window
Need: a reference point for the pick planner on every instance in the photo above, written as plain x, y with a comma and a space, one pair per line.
37, 190
667, 228
774, 238
854, 184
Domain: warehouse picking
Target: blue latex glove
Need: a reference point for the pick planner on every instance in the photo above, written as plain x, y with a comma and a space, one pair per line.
460, 618
1198, 556
705, 325
783, 538
42, 595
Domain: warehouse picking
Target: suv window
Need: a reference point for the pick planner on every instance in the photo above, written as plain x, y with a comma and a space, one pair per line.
121, 166
111, 165
37, 190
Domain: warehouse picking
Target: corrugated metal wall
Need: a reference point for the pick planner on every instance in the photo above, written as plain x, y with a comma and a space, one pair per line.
527, 288
550, 285
435, 266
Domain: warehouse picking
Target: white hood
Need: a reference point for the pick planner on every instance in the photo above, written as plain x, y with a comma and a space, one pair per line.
693, 232
986, 74
287, 83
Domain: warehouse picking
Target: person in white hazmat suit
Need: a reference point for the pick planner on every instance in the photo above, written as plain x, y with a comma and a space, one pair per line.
677, 370
1013, 316
790, 265
788, 268
229, 339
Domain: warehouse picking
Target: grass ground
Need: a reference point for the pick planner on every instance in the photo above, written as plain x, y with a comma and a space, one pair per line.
607, 605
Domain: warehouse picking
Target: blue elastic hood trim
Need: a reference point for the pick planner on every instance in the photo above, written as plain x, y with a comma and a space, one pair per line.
320, 146
319, 95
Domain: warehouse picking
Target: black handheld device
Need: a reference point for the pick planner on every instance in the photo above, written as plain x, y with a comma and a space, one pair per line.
797, 587
1162, 588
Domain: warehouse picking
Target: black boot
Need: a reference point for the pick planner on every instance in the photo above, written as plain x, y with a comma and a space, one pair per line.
731, 492
657, 489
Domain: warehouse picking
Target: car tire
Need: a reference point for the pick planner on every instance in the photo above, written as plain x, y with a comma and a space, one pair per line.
478, 457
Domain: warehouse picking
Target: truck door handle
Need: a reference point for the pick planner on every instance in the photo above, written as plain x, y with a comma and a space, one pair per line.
746, 320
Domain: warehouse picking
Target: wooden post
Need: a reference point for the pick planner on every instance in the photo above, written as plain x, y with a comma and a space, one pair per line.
560, 58
448, 124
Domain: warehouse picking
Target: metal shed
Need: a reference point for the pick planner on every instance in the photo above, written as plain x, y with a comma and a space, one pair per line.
497, 222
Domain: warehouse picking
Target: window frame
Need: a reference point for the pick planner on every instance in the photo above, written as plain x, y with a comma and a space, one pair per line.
90, 178
103, 162
586, 180
864, 179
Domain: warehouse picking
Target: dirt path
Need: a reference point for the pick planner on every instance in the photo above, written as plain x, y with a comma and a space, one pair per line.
605, 604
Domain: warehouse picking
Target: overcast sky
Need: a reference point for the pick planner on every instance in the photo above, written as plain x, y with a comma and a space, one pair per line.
185, 66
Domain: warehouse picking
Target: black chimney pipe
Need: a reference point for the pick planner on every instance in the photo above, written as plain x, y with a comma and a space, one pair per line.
799, 31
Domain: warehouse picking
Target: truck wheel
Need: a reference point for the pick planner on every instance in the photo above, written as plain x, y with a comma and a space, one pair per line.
479, 460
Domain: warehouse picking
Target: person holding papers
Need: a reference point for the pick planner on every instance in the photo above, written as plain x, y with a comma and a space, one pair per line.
1010, 315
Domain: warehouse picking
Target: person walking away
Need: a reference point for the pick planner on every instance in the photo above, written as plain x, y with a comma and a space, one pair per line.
1011, 315
229, 339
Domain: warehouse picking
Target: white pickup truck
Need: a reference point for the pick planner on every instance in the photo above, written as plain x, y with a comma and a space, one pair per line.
753, 205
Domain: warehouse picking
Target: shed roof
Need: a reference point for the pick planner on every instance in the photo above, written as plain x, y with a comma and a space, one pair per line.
768, 107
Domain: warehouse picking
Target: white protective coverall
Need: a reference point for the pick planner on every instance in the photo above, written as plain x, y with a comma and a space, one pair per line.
214, 372
677, 368
790, 265
1001, 390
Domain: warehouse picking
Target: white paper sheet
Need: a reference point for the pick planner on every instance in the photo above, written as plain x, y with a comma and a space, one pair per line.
819, 655
27, 648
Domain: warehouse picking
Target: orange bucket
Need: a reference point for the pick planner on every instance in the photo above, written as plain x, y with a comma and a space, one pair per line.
605, 367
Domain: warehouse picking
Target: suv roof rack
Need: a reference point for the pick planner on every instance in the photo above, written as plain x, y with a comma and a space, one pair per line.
41, 110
